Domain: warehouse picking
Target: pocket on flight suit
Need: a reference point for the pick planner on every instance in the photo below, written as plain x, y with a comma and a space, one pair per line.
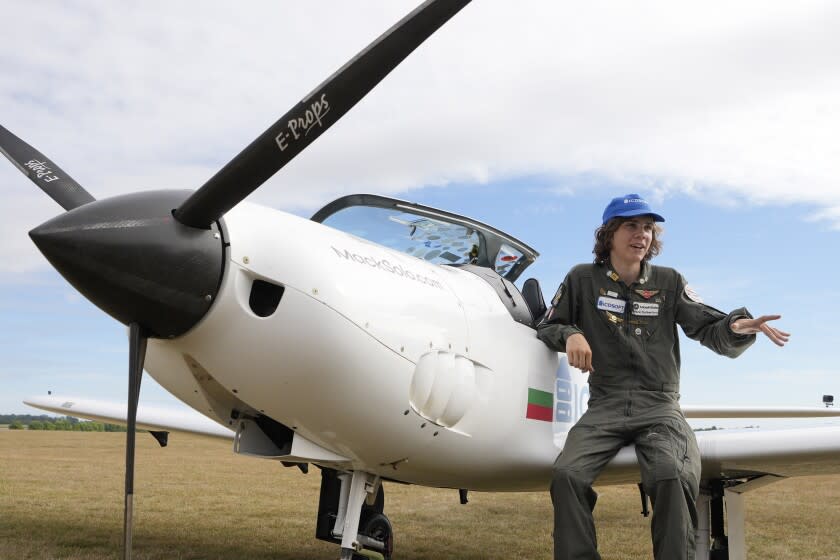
652, 327
668, 449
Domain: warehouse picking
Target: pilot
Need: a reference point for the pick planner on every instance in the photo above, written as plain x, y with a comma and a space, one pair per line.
617, 320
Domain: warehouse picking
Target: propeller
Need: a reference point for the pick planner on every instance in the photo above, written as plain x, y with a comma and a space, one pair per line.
136, 356
318, 111
154, 260
43, 172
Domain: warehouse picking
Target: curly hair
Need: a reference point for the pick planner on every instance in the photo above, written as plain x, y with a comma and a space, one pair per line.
604, 236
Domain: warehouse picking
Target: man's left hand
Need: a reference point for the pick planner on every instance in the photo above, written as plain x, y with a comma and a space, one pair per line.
753, 326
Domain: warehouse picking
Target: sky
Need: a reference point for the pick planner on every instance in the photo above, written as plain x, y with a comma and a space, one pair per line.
526, 115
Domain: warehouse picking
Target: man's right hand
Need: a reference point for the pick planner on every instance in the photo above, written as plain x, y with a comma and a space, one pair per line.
579, 353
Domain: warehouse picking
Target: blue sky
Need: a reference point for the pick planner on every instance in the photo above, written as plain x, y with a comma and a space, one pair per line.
528, 118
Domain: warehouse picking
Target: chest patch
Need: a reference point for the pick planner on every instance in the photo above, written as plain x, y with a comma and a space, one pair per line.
614, 318
647, 294
611, 304
645, 309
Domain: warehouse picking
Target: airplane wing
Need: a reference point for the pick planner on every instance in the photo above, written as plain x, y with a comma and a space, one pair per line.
728, 454
734, 454
703, 411
148, 418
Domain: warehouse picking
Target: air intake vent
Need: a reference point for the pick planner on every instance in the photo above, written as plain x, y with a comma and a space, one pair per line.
265, 297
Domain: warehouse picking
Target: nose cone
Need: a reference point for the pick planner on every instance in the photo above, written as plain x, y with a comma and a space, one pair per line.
133, 260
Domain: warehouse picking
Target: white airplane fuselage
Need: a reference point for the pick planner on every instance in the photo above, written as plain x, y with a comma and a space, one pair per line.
389, 362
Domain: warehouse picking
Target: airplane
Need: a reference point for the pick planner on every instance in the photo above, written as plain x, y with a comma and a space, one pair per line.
380, 340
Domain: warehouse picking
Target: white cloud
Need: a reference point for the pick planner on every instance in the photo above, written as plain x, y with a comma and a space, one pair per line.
720, 100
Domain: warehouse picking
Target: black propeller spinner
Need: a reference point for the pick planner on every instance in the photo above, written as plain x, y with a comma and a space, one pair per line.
154, 260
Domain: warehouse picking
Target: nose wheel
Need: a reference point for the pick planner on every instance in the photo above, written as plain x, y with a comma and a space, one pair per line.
378, 529
350, 513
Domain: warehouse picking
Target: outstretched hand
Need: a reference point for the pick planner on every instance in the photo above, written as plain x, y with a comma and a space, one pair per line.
753, 326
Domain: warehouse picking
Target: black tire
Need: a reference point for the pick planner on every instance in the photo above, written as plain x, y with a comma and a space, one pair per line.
378, 527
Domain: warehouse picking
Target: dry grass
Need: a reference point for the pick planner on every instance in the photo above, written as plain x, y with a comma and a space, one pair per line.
61, 498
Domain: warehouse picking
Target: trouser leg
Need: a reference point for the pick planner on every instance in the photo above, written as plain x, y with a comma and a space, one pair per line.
586, 451
670, 466
574, 527
674, 521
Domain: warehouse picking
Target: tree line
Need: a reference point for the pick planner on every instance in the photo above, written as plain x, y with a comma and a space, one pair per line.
62, 423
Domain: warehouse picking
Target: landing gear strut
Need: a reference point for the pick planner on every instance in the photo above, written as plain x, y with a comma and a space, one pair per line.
350, 512
720, 514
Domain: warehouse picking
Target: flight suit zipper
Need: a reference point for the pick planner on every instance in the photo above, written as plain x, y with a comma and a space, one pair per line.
627, 307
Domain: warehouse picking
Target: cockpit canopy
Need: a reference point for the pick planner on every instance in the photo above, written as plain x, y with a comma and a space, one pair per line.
427, 233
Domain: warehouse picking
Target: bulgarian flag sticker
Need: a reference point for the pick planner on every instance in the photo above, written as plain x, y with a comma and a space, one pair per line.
540, 405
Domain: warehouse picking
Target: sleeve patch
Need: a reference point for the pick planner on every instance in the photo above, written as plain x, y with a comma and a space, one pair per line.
557, 297
692, 295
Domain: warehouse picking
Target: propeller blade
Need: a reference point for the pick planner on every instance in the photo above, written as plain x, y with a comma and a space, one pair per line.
43, 172
311, 117
137, 338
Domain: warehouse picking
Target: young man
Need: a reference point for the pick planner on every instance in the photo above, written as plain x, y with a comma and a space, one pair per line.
617, 319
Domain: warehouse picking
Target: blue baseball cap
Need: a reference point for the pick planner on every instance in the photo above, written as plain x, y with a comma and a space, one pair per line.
628, 206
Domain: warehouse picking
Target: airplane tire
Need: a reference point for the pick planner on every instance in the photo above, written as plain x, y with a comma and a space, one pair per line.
378, 527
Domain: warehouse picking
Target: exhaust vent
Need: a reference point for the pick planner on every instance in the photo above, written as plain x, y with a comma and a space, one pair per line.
265, 297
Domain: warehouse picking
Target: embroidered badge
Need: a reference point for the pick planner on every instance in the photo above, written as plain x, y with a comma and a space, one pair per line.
692, 295
645, 309
557, 296
611, 304
614, 318
647, 294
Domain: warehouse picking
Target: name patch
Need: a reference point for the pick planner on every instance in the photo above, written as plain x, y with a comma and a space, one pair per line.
645, 309
611, 304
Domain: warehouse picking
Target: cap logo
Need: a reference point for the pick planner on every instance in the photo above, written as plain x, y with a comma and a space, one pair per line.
629, 205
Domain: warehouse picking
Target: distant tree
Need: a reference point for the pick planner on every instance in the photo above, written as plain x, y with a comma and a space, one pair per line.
24, 418
62, 423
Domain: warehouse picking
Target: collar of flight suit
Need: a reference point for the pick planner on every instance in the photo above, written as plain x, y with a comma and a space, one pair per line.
644, 273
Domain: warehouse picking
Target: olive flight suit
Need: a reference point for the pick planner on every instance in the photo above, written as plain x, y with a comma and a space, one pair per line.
634, 398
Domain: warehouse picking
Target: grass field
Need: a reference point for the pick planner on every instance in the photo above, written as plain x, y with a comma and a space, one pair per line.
61, 498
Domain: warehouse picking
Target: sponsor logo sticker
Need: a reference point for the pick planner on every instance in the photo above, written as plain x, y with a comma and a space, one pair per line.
645, 309
611, 304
